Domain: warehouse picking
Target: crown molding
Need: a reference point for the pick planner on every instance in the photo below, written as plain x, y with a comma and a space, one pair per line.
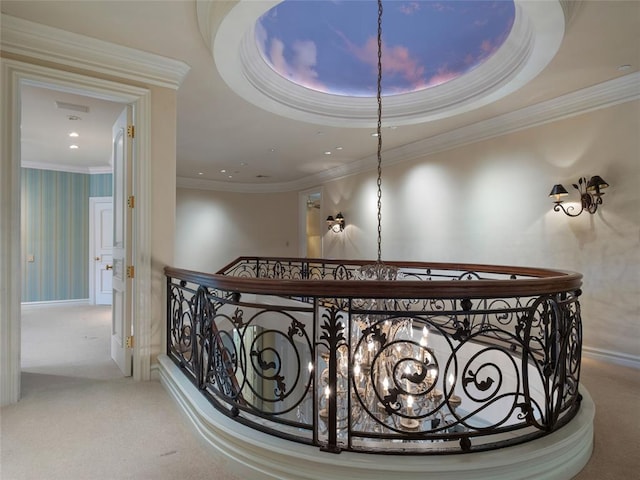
88, 170
620, 90
30, 39
607, 94
218, 186
100, 170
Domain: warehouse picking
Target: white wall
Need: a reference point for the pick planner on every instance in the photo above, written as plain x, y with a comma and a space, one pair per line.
214, 228
483, 203
488, 203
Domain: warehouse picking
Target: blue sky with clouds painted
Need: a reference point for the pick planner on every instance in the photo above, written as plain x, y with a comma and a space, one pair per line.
331, 46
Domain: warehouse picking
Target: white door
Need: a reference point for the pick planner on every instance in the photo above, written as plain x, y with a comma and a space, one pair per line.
102, 229
122, 279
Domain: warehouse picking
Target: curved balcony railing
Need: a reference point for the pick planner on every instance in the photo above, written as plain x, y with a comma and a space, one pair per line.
435, 358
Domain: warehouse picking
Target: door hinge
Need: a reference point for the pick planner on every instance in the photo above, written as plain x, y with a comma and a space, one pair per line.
131, 131
131, 271
131, 201
129, 342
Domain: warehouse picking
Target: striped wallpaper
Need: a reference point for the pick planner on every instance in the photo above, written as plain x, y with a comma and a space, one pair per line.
100, 185
55, 231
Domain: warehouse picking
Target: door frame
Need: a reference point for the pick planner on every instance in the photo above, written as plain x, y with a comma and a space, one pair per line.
93, 201
15, 74
302, 219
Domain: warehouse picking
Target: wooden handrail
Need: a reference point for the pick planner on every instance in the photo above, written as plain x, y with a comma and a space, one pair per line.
538, 281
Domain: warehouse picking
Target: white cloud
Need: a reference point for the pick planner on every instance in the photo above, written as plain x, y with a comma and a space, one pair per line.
302, 69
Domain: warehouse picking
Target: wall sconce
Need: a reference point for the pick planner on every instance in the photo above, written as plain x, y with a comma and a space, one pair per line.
590, 195
336, 224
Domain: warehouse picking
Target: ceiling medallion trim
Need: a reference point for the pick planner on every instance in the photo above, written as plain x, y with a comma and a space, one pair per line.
534, 40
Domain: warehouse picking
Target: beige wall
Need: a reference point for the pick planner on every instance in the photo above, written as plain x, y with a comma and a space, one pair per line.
163, 206
214, 228
488, 203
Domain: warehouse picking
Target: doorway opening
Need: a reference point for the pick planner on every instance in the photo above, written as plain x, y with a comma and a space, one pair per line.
310, 235
15, 75
66, 233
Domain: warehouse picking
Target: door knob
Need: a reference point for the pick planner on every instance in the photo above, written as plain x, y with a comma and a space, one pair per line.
109, 267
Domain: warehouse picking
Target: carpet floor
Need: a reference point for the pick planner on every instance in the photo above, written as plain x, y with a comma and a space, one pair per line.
80, 419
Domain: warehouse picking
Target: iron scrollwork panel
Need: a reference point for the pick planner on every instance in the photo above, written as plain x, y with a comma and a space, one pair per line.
252, 360
400, 375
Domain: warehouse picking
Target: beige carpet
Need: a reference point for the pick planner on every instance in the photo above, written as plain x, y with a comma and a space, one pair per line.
79, 419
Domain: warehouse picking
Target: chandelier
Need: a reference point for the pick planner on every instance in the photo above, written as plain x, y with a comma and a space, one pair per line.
394, 374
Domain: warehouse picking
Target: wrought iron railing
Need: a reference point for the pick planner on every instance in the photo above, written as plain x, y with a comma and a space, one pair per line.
446, 358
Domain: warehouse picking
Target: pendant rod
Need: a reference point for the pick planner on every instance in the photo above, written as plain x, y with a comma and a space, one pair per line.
379, 131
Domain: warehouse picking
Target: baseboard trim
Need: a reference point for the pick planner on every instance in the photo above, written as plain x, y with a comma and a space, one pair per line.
47, 303
252, 454
609, 356
155, 372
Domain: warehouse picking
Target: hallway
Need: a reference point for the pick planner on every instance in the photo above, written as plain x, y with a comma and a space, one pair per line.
80, 419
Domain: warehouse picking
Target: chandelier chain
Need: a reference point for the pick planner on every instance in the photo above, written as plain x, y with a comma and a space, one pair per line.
379, 130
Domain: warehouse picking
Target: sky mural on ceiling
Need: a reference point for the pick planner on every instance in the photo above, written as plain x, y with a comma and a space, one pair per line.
331, 46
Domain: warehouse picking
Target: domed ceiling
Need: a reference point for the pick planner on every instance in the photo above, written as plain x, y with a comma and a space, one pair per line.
332, 47
316, 61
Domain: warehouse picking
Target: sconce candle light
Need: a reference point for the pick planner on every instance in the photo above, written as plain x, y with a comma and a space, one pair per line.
336, 224
590, 195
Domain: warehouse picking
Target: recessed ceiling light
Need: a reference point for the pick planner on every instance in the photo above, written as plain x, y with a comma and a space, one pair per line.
374, 134
327, 152
230, 176
624, 68
73, 147
272, 149
243, 164
74, 134
338, 148
223, 171
200, 173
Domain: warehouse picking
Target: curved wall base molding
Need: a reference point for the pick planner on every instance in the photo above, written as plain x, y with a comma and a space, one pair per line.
610, 356
252, 454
